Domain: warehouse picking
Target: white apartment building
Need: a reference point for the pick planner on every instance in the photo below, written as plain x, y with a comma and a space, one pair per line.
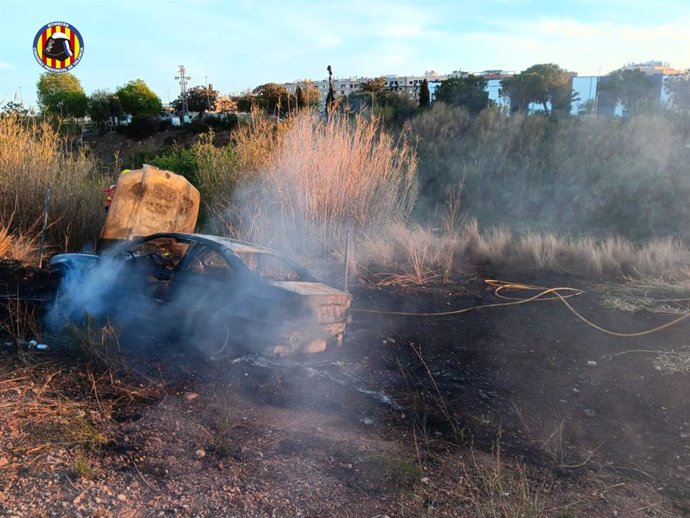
411, 85
584, 86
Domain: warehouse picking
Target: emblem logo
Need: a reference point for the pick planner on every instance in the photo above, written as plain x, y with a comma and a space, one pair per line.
58, 47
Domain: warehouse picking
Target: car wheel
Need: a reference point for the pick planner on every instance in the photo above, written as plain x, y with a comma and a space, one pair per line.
211, 334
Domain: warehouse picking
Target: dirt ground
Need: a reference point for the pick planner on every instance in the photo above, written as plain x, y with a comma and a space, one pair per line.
514, 411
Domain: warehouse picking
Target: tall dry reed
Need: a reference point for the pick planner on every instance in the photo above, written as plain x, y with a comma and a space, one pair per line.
325, 177
34, 158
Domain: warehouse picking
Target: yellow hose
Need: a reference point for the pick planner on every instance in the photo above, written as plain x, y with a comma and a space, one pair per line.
545, 295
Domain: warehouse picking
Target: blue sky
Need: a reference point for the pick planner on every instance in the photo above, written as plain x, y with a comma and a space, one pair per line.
241, 44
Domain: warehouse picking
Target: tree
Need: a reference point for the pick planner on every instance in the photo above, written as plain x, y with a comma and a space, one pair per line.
300, 97
244, 102
395, 107
61, 94
138, 99
199, 99
468, 92
104, 108
330, 97
13, 108
424, 95
629, 86
678, 89
546, 84
374, 86
311, 95
274, 99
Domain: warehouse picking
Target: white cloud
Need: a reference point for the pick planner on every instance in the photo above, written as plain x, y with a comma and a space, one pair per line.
6, 66
585, 48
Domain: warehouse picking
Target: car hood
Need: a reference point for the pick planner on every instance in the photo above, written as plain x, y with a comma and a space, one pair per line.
325, 303
308, 288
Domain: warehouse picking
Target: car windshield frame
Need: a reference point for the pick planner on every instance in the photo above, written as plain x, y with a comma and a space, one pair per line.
297, 273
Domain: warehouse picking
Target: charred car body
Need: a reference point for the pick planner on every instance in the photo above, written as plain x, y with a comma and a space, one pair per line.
223, 296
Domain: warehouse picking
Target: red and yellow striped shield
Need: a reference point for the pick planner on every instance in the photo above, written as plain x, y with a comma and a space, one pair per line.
58, 47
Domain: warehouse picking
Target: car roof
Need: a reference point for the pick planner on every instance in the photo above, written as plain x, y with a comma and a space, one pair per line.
232, 244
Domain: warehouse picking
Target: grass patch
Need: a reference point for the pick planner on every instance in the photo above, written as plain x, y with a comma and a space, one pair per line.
600, 175
73, 429
399, 471
497, 492
414, 254
673, 362
83, 468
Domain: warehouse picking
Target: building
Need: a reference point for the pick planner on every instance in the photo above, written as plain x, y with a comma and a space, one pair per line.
654, 68
584, 87
410, 85
589, 101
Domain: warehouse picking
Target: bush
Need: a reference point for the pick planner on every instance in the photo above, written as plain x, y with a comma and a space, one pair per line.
600, 175
210, 123
179, 160
141, 126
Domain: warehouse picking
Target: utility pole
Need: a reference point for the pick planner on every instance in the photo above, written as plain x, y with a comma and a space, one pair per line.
183, 78
18, 99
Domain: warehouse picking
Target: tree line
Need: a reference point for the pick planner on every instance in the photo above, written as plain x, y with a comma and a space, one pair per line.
547, 85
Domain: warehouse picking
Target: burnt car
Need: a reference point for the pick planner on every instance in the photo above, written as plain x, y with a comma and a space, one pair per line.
221, 295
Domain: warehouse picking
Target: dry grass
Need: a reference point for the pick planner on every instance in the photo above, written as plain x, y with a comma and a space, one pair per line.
673, 362
34, 158
21, 324
257, 144
313, 179
17, 247
500, 492
413, 254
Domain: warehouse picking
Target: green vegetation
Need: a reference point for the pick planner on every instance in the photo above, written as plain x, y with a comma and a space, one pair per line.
199, 99
424, 95
546, 84
388, 171
62, 95
105, 108
678, 89
468, 92
138, 99
590, 175
631, 87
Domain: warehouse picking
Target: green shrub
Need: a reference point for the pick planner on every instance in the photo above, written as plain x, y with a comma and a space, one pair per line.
595, 175
177, 159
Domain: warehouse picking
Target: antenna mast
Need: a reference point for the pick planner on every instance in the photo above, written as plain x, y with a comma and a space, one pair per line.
183, 79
